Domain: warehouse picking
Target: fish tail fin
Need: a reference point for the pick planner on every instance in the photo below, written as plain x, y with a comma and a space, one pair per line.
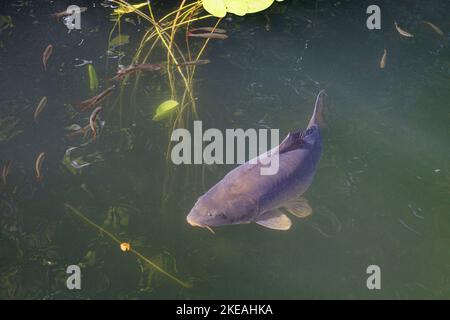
317, 117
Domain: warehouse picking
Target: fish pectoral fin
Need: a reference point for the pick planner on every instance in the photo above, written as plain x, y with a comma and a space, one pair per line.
299, 207
274, 219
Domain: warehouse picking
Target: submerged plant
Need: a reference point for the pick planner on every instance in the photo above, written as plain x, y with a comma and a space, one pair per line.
128, 247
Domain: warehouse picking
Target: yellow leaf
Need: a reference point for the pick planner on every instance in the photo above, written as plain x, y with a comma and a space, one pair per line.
215, 7
258, 5
238, 7
165, 109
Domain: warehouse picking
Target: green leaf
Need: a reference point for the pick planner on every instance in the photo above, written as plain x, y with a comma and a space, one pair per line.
120, 40
219, 8
215, 7
258, 5
238, 7
93, 80
165, 109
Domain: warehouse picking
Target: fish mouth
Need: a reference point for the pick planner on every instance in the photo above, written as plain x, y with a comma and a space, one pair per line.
196, 224
193, 223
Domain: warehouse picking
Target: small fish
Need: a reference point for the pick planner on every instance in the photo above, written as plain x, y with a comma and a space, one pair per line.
434, 27
148, 67
65, 13
46, 55
73, 127
81, 130
208, 35
76, 165
122, 73
40, 107
383, 60
193, 63
402, 32
92, 120
82, 63
6, 170
209, 29
244, 195
94, 101
38, 166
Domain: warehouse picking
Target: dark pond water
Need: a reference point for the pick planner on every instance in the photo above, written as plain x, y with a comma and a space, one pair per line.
381, 195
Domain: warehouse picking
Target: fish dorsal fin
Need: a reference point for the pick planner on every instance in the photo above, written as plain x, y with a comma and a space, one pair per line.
274, 219
294, 140
299, 207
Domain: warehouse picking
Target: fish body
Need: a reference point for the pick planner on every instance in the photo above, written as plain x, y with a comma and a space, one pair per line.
46, 55
40, 107
193, 63
94, 101
6, 170
92, 120
132, 69
65, 13
383, 59
434, 27
208, 35
38, 166
402, 32
209, 29
244, 195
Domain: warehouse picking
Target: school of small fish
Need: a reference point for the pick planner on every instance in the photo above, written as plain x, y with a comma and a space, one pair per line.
94, 102
408, 34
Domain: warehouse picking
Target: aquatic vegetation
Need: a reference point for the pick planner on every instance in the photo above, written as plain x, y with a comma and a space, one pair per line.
165, 109
93, 80
118, 41
152, 264
6, 22
9, 128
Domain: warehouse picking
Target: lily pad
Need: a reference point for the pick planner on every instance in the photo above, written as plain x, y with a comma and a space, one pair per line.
219, 8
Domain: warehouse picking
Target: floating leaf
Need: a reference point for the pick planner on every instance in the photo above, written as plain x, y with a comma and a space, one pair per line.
258, 5
219, 8
165, 109
93, 80
238, 7
120, 40
215, 7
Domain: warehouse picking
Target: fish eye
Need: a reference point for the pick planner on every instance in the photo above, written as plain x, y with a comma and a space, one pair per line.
210, 214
